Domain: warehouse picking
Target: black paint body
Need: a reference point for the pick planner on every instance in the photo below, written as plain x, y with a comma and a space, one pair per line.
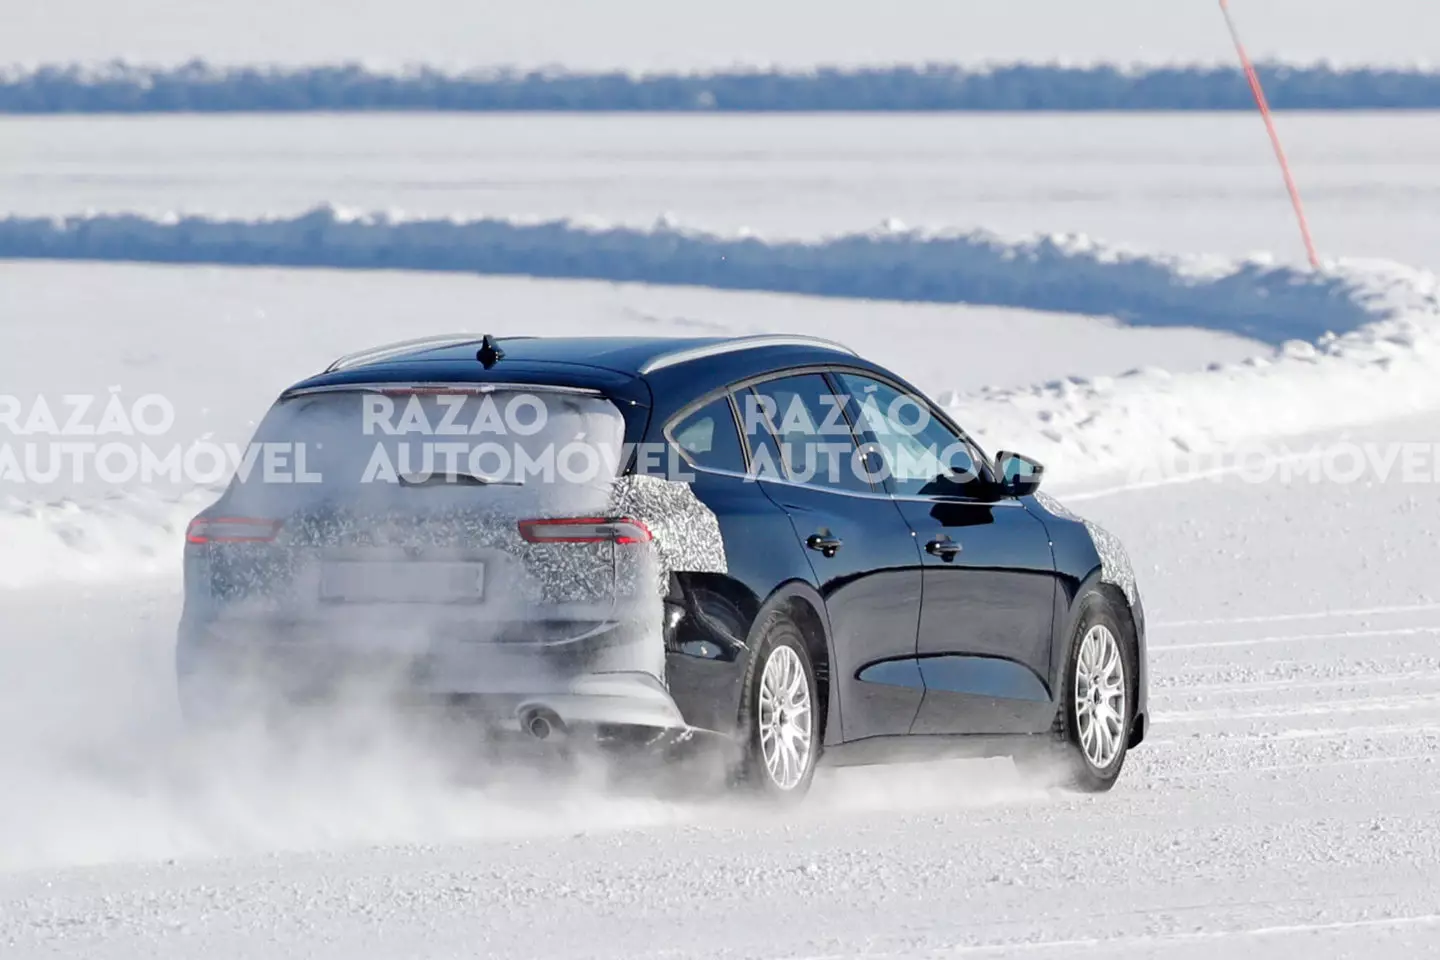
939, 620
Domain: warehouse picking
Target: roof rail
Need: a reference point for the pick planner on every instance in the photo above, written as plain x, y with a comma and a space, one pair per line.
391, 350
737, 344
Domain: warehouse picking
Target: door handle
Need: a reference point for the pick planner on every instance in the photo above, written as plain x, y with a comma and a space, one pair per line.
825, 543
944, 548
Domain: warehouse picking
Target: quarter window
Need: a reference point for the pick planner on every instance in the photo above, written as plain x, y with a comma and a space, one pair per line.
708, 439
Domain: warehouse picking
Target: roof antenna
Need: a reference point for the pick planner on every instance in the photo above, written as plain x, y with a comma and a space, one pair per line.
489, 353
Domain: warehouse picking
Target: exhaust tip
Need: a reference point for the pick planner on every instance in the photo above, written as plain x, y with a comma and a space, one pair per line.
541, 724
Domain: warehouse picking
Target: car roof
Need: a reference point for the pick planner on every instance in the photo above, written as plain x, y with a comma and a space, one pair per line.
633, 355
600, 362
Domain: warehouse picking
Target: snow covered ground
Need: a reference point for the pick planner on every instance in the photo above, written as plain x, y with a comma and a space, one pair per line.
1283, 807
1174, 183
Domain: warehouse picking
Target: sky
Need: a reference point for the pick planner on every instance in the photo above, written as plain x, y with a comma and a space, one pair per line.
680, 34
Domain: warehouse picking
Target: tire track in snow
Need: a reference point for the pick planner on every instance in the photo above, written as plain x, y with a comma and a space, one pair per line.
1244, 687
1309, 733
1295, 638
1249, 769
1192, 936
1347, 706
1391, 610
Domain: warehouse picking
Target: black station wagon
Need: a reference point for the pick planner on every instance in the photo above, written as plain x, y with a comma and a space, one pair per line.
768, 541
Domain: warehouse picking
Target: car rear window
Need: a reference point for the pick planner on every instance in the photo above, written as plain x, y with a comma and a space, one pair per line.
315, 446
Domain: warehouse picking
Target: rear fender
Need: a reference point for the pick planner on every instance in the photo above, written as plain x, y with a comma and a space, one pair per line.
709, 650
815, 623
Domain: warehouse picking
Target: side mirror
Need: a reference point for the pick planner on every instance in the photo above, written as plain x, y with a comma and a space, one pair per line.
1019, 475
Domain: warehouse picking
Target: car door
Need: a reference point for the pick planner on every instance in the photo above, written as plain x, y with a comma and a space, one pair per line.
987, 616
865, 561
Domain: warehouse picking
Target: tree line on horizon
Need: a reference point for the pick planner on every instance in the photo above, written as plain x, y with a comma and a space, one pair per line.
205, 88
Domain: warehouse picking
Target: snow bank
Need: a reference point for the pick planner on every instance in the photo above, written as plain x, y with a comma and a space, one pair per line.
1157, 426
1070, 274
127, 534
201, 87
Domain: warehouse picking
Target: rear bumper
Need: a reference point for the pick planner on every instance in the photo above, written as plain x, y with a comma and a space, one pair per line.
604, 676
595, 704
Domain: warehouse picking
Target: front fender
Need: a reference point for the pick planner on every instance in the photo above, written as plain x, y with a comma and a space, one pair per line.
1089, 558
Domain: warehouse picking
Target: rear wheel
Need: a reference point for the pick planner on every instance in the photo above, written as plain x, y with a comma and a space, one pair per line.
1092, 730
778, 712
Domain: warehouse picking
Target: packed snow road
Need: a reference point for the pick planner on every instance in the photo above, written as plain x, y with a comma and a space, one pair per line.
1284, 805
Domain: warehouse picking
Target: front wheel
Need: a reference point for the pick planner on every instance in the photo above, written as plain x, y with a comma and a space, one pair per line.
1092, 729
778, 711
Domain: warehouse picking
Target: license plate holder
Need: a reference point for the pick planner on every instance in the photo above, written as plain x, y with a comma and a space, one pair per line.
402, 581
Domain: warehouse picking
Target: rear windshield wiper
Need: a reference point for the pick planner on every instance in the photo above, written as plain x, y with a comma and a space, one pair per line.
455, 480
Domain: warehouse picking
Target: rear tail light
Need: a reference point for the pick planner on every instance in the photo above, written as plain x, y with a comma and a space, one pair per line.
585, 530
231, 530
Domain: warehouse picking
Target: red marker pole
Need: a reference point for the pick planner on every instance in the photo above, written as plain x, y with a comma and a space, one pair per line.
1264, 106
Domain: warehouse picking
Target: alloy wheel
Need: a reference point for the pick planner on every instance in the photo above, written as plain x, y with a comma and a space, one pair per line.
785, 718
1100, 696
